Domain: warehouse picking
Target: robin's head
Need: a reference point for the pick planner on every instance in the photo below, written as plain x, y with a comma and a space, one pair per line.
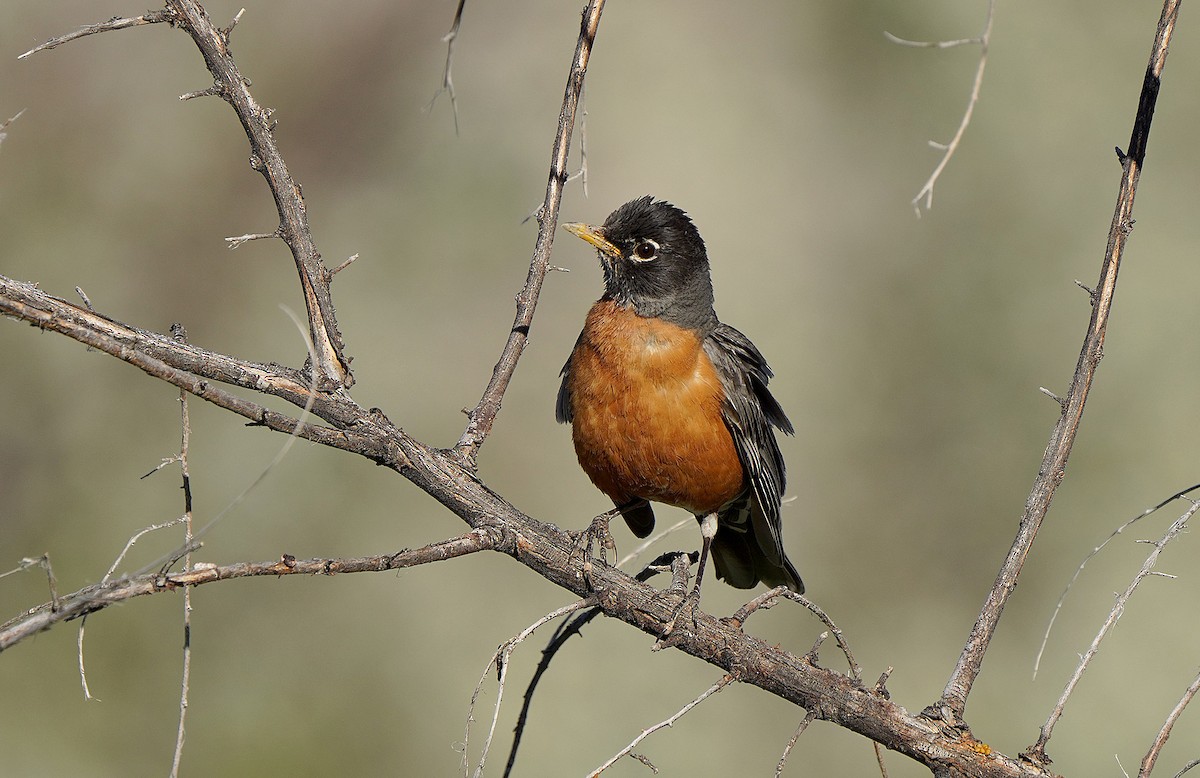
654, 262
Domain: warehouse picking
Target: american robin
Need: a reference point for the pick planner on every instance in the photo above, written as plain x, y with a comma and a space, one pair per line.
669, 405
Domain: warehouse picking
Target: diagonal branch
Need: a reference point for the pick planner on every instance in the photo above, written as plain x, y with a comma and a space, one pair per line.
1160, 739
331, 368
1054, 461
484, 413
1037, 751
115, 23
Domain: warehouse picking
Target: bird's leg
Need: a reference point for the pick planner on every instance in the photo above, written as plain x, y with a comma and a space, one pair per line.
708, 531
598, 532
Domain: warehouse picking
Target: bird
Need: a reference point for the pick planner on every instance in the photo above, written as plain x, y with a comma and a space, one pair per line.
668, 404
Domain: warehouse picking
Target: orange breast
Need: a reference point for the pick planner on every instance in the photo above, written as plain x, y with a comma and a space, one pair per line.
646, 405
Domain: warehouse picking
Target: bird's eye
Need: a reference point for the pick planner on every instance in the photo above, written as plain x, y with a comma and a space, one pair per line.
645, 250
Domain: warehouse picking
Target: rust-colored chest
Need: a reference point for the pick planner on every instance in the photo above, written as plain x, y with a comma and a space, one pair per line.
646, 413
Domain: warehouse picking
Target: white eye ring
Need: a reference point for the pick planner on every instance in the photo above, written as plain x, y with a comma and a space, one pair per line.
644, 251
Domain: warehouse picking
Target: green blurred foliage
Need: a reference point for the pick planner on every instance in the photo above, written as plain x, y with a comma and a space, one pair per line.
909, 352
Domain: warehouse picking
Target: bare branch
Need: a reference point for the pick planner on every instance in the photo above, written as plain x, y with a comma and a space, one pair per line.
331, 366
115, 23
1038, 750
1062, 597
500, 661
948, 149
1058, 450
1160, 740
238, 240
721, 683
7, 122
809, 718
447, 81
484, 413
185, 424
100, 595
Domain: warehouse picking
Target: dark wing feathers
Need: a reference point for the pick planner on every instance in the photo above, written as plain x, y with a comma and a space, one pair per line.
562, 406
750, 411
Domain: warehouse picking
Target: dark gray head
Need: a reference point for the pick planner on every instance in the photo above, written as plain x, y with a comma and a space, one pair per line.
654, 262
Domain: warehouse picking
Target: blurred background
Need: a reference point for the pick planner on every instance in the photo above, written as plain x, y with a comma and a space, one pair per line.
909, 352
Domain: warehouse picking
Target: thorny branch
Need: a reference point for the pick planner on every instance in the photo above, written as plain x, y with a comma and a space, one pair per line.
1058, 450
484, 413
935, 740
330, 368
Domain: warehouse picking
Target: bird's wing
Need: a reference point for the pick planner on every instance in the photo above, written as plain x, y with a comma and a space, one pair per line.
562, 406
750, 411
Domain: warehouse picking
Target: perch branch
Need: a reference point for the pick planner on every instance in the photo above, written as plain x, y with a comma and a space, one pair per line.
484, 413
1058, 450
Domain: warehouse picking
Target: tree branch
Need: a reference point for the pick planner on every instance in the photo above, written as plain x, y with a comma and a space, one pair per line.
99, 596
331, 368
1054, 461
484, 413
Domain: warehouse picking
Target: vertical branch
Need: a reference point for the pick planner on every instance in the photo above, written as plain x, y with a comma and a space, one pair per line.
484, 413
1054, 461
330, 366
185, 682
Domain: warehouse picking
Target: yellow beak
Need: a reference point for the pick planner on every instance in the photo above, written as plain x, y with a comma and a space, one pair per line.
594, 236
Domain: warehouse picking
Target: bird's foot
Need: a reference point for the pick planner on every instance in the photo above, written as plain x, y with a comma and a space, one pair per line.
684, 617
596, 533
682, 622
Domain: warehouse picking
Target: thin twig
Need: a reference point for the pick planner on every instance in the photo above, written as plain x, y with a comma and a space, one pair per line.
1058, 450
721, 683
883, 772
237, 240
1188, 767
645, 545
809, 718
185, 424
500, 661
100, 595
948, 149
447, 81
838, 636
562, 634
1078, 570
483, 415
1160, 739
8, 121
1038, 749
129, 544
116, 23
